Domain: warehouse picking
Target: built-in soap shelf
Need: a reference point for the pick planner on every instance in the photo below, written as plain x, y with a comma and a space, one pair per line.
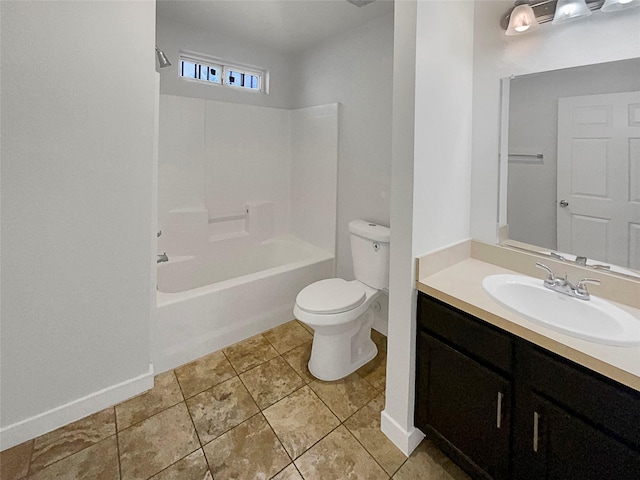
191, 231
231, 225
227, 236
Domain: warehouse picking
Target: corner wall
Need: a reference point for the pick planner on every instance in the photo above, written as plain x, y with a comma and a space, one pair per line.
430, 175
77, 167
314, 174
355, 70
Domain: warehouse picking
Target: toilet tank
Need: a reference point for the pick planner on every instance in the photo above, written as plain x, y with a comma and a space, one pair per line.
370, 252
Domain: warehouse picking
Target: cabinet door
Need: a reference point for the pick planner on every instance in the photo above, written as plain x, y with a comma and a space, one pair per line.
563, 447
465, 403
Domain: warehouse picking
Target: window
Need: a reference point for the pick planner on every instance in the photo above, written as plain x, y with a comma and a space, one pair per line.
201, 71
220, 72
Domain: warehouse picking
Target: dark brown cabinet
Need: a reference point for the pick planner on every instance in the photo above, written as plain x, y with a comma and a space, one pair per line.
504, 408
558, 445
467, 405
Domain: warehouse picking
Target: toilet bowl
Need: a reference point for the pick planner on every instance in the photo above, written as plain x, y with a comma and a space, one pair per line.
340, 311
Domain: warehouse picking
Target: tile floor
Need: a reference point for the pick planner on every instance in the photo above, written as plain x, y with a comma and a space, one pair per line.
249, 411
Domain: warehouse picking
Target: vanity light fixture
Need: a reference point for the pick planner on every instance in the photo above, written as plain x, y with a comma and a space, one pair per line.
522, 19
360, 3
617, 5
519, 20
569, 10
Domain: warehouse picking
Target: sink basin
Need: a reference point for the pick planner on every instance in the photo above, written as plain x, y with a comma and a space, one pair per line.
595, 320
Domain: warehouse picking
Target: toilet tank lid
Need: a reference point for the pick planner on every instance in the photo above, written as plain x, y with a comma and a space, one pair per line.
370, 230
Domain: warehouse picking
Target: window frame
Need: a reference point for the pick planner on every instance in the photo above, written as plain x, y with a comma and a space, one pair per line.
225, 67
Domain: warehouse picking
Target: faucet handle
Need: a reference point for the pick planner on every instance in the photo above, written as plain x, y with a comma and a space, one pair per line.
581, 289
551, 278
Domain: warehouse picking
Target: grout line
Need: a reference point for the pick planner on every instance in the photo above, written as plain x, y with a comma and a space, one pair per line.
115, 416
234, 426
366, 450
31, 472
193, 424
232, 366
297, 469
319, 440
277, 438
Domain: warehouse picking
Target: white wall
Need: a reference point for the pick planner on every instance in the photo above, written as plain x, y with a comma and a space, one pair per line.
173, 36
314, 174
442, 162
78, 106
531, 191
355, 70
400, 346
602, 37
430, 175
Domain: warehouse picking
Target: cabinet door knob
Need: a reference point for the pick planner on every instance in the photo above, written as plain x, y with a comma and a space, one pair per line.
499, 410
536, 431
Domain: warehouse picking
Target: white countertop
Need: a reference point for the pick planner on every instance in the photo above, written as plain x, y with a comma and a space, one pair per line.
460, 285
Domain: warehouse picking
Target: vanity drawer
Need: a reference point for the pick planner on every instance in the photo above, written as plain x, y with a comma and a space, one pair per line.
477, 339
605, 403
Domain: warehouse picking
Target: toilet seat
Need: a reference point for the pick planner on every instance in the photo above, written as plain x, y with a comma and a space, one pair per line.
334, 295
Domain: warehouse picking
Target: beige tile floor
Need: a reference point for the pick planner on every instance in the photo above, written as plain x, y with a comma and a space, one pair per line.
249, 411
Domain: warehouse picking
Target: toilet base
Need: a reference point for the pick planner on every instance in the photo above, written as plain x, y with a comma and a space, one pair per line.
335, 356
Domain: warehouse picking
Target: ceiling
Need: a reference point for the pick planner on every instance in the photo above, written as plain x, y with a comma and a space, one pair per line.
286, 25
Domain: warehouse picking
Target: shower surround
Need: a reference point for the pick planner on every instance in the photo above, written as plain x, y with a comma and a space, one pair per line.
247, 207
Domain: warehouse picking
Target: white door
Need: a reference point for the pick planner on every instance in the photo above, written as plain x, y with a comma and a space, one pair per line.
598, 202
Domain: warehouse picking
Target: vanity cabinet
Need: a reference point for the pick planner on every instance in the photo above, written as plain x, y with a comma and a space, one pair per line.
502, 407
463, 388
572, 424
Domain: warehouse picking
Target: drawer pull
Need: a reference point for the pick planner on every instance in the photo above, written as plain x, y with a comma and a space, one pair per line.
499, 410
536, 421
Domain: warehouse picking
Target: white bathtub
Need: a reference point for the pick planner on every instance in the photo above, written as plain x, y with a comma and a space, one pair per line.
210, 301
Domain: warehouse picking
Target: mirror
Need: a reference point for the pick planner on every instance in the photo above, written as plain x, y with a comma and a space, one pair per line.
572, 140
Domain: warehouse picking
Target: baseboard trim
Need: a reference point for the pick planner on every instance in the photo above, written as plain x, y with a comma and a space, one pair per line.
42, 423
405, 440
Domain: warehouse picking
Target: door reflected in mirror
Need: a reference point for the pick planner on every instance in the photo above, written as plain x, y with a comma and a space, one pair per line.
573, 173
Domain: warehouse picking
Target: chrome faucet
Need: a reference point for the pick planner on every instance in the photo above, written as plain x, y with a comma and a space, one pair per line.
163, 257
562, 285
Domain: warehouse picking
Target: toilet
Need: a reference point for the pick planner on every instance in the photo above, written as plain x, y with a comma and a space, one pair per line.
340, 312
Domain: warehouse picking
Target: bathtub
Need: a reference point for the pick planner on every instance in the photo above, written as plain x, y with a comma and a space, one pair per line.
207, 302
